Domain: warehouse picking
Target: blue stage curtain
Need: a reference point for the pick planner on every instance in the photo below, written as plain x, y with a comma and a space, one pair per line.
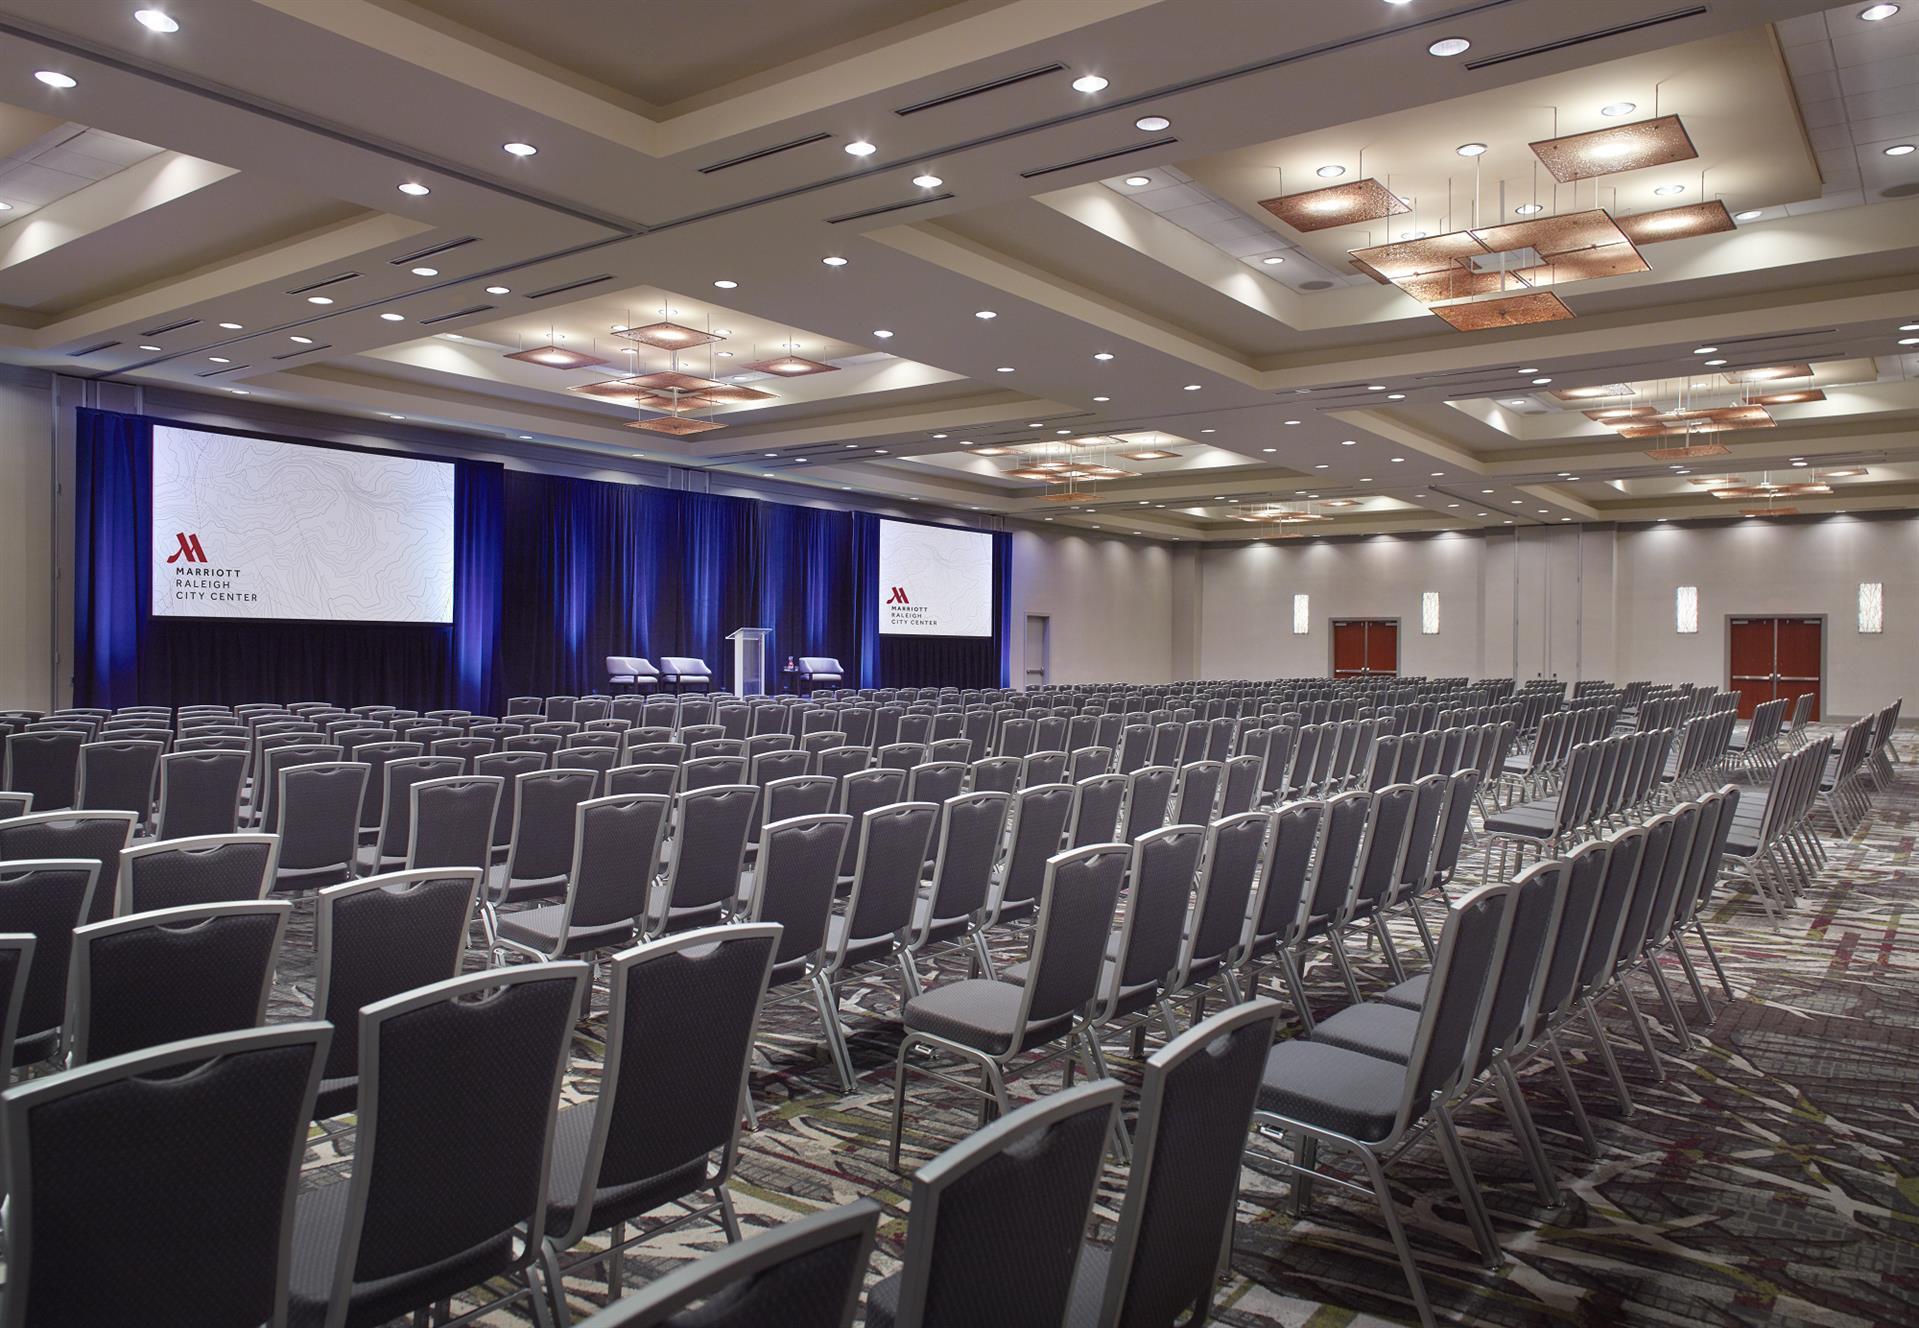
927, 661
113, 495
124, 656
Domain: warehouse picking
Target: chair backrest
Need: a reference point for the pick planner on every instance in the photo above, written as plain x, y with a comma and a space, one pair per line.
267, 774
679, 1043
1196, 791
233, 1110
998, 774
801, 1274
616, 842
1279, 909
45, 763
423, 1121
199, 793
860, 792
1235, 860
544, 821
1195, 1102
793, 883
205, 869
319, 805
1160, 878
712, 829
1538, 896
101, 836
1559, 970
971, 826
1625, 853
936, 781
509, 766
46, 899
1040, 817
375, 755
381, 936
1348, 818
166, 976
451, 820
997, 1221
1149, 793
1076, 907
712, 772
893, 849
1471, 948
16, 960
117, 774
1096, 810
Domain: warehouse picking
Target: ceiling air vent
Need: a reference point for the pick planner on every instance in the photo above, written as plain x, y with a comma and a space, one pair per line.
763, 153
323, 283
981, 89
1147, 146
1598, 34
88, 350
304, 350
467, 312
431, 250
888, 207
170, 327
569, 286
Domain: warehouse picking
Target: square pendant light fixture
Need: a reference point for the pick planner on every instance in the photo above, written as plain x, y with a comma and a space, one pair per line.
1627, 147
673, 380
673, 425
1588, 393
1769, 372
678, 403
1505, 311
792, 366
731, 392
1606, 260
1678, 223
556, 357
1339, 205
1150, 454
1791, 398
1690, 452
1613, 414
623, 390
666, 336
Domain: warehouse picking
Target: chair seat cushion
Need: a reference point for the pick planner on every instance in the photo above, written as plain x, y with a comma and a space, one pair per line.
1527, 818
937, 929
539, 929
859, 948
1331, 1088
1408, 995
1373, 1028
977, 1012
883, 1302
336, 1097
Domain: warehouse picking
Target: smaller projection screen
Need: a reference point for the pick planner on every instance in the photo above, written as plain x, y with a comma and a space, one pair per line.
935, 580
256, 529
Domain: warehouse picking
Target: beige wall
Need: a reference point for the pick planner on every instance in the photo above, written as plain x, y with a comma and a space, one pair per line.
27, 542
1109, 602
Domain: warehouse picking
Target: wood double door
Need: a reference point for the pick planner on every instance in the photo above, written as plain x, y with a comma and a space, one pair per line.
1769, 658
1365, 646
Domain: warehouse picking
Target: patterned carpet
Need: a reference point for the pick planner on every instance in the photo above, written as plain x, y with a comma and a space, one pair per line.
1773, 1177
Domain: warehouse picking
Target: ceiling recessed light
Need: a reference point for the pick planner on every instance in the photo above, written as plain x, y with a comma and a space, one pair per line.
158, 20
882, 333
1321, 466
1909, 327
1089, 83
53, 78
519, 149
1446, 47
1909, 341
1751, 214
1139, 181
1102, 398
1704, 350
1102, 354
724, 284
1269, 449
149, 348
1292, 421
1375, 387
1541, 382
1529, 209
1209, 430
304, 341
1397, 460
1899, 150
239, 392
1272, 260
1349, 442
1877, 13
394, 318
1471, 149
1004, 368
859, 147
1714, 363
1330, 172
1668, 190
426, 271
415, 189
1152, 124
216, 359
834, 260
985, 313
1613, 110
231, 327
928, 181
1192, 387
1516, 401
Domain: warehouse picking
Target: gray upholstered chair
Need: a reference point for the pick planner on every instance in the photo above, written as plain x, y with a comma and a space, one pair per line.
99, 836
616, 837
683, 671
150, 978
200, 793
233, 1146
203, 869
45, 899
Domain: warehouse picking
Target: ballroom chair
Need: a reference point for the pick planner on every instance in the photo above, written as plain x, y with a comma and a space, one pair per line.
45, 763
319, 805
451, 820
118, 774
606, 888
45, 899
819, 671
199, 793
683, 671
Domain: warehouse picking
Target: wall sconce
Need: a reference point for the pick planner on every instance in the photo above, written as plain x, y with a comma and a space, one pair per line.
1302, 614
1686, 610
1872, 606
1429, 613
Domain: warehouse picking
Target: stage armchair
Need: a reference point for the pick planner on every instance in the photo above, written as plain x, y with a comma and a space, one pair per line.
631, 671
682, 671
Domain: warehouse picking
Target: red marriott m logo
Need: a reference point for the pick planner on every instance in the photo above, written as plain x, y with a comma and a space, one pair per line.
189, 549
898, 596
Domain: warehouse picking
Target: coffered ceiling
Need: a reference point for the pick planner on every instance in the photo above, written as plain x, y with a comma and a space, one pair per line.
1054, 255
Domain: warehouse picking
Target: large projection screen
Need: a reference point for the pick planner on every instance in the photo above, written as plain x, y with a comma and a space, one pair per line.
251, 528
935, 580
